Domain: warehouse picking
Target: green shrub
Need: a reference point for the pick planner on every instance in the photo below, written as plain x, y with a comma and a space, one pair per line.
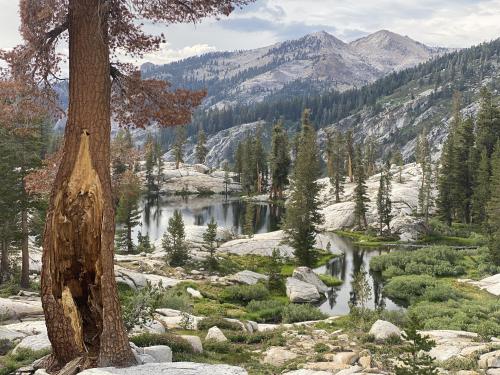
176, 343
267, 311
480, 316
412, 288
139, 306
244, 293
293, 313
5, 346
23, 357
218, 347
434, 261
321, 348
221, 323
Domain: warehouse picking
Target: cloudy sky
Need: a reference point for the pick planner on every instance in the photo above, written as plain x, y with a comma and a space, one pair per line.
448, 23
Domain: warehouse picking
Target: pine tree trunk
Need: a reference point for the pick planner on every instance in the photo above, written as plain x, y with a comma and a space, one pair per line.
4, 261
25, 263
79, 293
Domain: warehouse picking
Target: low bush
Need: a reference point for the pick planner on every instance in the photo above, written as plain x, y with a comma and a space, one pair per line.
412, 288
321, 348
481, 316
293, 313
268, 311
434, 261
244, 293
23, 357
176, 343
221, 323
218, 347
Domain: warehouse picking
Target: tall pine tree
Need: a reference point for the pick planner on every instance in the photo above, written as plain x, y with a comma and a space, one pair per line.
360, 191
493, 208
279, 161
302, 215
201, 150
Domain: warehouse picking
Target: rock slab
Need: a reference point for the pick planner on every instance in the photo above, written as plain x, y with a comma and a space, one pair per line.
300, 292
176, 368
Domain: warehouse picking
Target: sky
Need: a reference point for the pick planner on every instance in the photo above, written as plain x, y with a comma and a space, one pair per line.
446, 23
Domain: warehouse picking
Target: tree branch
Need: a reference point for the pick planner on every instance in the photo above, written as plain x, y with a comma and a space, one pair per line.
51, 35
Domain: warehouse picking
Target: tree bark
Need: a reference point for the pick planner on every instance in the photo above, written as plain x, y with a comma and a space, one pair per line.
79, 293
25, 256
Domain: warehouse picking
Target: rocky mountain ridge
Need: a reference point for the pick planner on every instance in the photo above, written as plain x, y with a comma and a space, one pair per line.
316, 62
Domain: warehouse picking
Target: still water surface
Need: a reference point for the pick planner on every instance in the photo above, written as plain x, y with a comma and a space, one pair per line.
242, 217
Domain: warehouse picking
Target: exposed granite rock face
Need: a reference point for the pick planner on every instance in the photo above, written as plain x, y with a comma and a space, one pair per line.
140, 280
176, 368
17, 307
404, 197
247, 277
491, 284
278, 356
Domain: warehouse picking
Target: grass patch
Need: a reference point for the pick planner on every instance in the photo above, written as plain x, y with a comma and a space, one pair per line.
330, 280
294, 313
176, 343
23, 357
221, 323
244, 293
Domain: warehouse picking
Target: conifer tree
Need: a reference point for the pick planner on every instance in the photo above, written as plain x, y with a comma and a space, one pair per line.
493, 208
238, 160
149, 155
280, 161
415, 359
350, 155
179, 142
423, 156
201, 150
302, 214
397, 158
260, 159
488, 122
360, 191
275, 280
127, 213
384, 203
209, 239
174, 241
481, 193
370, 156
159, 164
249, 172
336, 153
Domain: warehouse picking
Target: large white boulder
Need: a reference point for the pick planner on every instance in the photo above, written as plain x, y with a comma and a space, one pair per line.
247, 277
176, 368
278, 356
161, 353
301, 292
140, 280
490, 360
195, 343
35, 343
307, 275
215, 334
382, 330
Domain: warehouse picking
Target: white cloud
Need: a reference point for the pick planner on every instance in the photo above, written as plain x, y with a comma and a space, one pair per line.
166, 54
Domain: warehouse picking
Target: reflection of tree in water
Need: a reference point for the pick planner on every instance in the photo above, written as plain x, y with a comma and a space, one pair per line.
153, 205
358, 256
332, 296
337, 267
249, 220
378, 287
275, 215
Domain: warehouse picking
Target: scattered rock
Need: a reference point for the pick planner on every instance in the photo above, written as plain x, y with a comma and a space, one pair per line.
299, 291
278, 356
195, 343
161, 353
140, 280
454, 344
307, 275
215, 334
490, 284
194, 293
382, 330
247, 277
490, 360
153, 327
35, 343
176, 368
307, 372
